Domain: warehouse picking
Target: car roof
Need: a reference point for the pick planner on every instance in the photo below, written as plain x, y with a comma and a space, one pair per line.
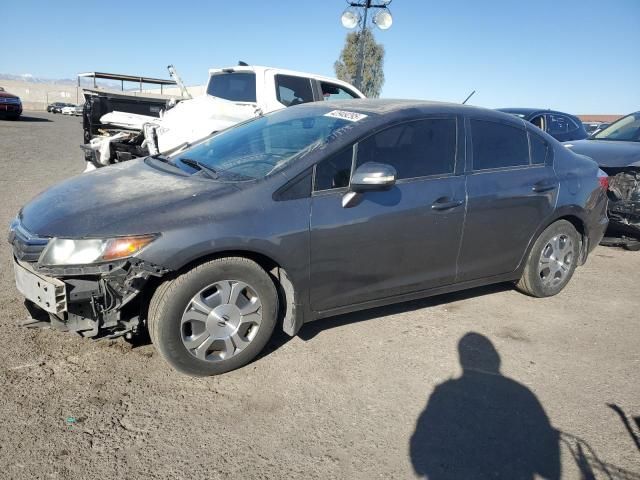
261, 69
381, 106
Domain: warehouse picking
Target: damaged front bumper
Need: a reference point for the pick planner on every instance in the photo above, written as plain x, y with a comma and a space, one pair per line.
97, 301
624, 207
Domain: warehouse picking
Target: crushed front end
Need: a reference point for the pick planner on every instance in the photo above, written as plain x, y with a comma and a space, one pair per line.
101, 300
624, 207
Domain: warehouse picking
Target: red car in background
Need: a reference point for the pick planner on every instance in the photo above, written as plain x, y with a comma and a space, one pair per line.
10, 105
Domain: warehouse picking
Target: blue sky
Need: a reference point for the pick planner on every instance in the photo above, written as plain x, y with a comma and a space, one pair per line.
580, 56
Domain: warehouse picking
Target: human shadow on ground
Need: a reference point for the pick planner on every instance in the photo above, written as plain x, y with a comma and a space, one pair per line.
484, 424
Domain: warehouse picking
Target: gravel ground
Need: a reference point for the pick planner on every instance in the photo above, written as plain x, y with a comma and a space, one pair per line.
350, 397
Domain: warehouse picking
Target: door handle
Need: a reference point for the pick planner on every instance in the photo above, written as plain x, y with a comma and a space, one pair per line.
544, 187
445, 204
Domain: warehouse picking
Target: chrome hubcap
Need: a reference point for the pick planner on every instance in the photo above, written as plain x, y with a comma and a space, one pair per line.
555, 260
221, 320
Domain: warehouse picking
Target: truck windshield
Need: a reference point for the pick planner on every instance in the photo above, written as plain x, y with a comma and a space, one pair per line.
259, 147
233, 86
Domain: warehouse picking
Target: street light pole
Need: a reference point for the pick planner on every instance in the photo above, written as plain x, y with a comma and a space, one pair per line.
351, 18
367, 6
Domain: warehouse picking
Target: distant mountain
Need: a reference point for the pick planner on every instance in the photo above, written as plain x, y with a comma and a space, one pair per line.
56, 81
32, 79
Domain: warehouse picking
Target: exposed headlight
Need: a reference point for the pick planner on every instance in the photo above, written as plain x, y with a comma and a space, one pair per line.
63, 251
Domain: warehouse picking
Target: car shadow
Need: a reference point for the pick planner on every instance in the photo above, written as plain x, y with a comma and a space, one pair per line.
484, 424
312, 329
24, 118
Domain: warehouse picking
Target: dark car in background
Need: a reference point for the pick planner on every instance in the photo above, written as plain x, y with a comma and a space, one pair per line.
616, 148
10, 105
308, 212
561, 126
57, 107
594, 127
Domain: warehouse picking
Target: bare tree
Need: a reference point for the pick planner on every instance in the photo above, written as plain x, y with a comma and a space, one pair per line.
372, 72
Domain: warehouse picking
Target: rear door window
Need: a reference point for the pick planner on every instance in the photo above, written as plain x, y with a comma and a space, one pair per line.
497, 145
539, 122
292, 90
236, 87
415, 149
558, 124
331, 91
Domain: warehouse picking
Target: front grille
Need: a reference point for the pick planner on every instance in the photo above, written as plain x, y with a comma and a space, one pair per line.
26, 246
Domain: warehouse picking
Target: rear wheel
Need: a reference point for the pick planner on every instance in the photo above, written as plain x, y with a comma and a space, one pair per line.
552, 260
214, 318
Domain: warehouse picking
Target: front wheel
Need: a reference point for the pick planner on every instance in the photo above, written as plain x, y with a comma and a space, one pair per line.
214, 318
552, 260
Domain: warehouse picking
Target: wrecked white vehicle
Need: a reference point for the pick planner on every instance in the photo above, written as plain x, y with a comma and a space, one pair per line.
616, 148
233, 95
125, 139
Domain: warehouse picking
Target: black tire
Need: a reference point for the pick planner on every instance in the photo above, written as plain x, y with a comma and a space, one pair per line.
632, 246
173, 296
629, 243
533, 281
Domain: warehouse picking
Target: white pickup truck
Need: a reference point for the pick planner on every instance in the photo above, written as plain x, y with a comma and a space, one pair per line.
233, 95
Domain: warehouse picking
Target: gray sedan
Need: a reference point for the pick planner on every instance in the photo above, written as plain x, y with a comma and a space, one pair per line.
305, 213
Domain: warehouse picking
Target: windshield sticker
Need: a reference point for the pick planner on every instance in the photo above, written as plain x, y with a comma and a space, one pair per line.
351, 116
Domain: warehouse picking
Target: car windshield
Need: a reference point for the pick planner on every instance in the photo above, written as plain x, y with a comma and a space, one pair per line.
256, 148
626, 129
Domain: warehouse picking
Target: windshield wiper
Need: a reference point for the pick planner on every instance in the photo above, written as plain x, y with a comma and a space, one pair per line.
200, 166
160, 157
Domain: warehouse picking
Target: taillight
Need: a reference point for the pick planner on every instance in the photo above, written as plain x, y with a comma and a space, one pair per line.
603, 180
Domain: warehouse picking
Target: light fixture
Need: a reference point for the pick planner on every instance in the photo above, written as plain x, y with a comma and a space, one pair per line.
383, 19
350, 18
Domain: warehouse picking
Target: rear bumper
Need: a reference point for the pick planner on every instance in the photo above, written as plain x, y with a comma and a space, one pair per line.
624, 202
624, 218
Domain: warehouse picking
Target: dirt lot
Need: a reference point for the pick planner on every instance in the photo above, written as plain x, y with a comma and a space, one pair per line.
347, 398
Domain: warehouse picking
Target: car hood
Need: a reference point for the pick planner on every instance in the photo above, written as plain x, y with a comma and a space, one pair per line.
130, 198
8, 95
608, 153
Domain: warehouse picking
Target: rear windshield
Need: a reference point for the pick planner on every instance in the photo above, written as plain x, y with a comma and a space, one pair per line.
236, 86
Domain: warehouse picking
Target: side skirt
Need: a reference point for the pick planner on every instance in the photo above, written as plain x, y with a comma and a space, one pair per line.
512, 276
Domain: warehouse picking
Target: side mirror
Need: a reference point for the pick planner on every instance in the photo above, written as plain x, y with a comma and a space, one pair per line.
373, 176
